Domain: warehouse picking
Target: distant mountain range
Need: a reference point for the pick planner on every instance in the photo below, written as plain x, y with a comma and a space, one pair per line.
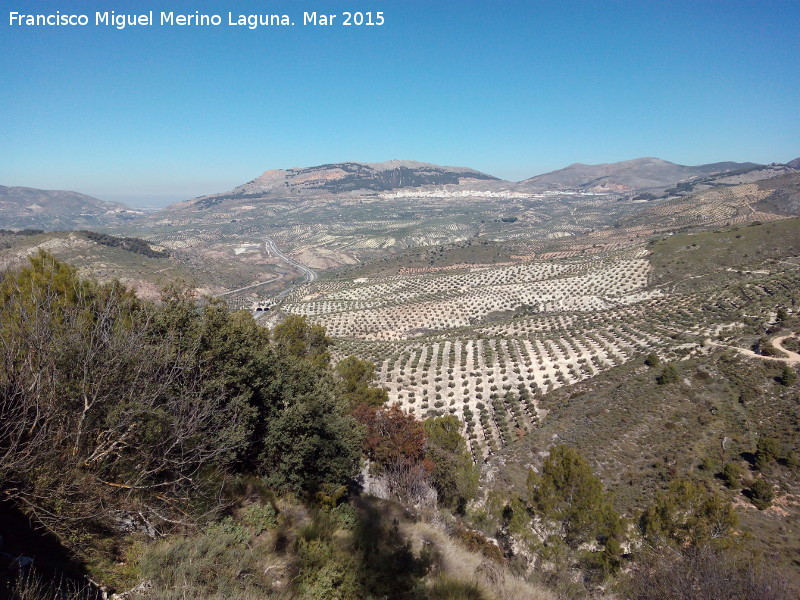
630, 175
627, 176
30, 208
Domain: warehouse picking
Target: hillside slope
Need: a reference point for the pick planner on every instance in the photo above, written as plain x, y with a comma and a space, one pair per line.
636, 174
54, 210
347, 177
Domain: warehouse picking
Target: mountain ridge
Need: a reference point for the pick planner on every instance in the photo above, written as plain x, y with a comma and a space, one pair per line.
360, 177
26, 207
34, 208
354, 176
629, 175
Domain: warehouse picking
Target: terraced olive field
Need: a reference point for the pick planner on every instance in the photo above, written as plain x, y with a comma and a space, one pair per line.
486, 342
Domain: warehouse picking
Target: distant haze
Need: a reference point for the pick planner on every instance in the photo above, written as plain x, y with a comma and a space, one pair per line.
138, 193
151, 201
150, 196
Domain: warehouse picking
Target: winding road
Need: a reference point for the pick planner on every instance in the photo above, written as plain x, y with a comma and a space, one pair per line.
309, 274
271, 248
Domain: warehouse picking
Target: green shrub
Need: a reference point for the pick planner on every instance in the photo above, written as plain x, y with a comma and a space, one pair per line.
668, 375
764, 347
732, 476
569, 494
215, 564
767, 450
687, 514
761, 494
345, 516
320, 527
228, 528
130, 244
709, 464
788, 376
652, 360
313, 442
327, 573
260, 517
163, 401
450, 588
454, 475
355, 383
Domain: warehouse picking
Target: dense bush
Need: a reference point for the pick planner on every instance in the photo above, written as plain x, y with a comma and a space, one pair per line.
788, 376
652, 360
568, 493
669, 374
687, 514
312, 442
453, 474
768, 450
111, 405
355, 383
130, 244
732, 475
761, 493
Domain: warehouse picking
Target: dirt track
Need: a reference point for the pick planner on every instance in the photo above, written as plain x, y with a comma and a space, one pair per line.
792, 357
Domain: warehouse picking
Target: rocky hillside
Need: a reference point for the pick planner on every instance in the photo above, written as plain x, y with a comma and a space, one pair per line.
58, 210
637, 174
350, 177
784, 194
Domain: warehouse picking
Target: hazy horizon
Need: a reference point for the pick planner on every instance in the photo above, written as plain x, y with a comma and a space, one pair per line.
159, 199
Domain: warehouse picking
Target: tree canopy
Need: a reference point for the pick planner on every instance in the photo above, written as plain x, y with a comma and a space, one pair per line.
569, 493
108, 401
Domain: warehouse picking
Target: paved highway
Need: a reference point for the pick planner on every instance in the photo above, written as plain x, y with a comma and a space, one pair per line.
247, 287
271, 248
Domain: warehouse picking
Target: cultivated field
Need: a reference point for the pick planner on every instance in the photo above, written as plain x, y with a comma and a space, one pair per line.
484, 343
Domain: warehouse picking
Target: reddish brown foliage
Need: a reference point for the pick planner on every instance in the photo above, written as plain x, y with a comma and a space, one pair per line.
393, 436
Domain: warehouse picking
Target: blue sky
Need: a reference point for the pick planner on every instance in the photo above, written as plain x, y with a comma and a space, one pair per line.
512, 88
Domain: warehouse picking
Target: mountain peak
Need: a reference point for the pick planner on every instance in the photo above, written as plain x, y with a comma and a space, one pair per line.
355, 176
638, 173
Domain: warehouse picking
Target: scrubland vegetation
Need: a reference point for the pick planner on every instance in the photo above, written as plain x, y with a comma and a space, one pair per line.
584, 426
180, 450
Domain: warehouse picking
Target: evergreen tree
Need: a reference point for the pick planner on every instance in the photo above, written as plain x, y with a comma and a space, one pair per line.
569, 493
454, 474
788, 376
355, 384
669, 374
